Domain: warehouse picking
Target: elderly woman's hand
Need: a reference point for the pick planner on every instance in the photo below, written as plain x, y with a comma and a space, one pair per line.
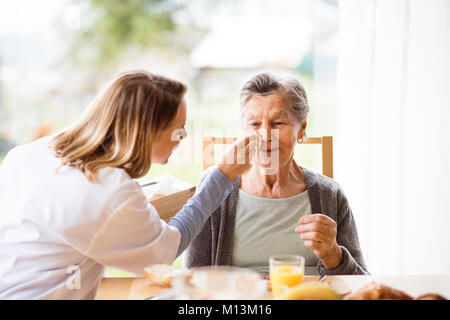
319, 233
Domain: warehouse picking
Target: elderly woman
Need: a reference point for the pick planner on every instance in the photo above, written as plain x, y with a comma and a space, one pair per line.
278, 207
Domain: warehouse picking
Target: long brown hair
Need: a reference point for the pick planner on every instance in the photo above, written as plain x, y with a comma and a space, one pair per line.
119, 127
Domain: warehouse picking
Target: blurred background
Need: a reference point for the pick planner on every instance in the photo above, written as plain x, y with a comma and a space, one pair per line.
377, 74
56, 55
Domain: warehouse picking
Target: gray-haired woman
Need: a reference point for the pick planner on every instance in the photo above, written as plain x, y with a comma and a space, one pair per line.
278, 207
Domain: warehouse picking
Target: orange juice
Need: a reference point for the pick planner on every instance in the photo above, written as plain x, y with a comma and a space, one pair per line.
285, 276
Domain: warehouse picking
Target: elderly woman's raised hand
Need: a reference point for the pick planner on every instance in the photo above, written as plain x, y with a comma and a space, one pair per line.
319, 233
237, 158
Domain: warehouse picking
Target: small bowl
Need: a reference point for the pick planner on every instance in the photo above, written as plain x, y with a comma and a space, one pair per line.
220, 283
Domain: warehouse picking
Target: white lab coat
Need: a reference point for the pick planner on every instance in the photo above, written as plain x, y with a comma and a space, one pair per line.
58, 230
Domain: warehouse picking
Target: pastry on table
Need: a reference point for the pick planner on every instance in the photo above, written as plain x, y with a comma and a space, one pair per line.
430, 296
163, 274
377, 291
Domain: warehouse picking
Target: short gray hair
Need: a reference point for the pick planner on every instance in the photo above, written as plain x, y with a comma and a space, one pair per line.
266, 83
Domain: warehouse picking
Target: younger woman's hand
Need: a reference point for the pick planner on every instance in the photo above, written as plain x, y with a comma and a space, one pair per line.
238, 157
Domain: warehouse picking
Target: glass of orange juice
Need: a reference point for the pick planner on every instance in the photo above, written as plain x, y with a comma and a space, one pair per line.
285, 271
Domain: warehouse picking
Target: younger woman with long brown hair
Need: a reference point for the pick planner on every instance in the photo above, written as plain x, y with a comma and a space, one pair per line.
70, 204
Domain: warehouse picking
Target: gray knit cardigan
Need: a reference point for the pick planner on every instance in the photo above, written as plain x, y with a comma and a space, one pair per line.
214, 244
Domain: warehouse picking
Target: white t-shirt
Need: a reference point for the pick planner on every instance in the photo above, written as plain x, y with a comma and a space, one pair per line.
264, 227
59, 230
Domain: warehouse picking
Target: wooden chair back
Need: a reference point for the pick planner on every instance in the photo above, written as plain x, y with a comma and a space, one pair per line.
325, 141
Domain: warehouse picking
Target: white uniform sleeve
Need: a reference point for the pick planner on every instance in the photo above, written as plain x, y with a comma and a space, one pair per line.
133, 236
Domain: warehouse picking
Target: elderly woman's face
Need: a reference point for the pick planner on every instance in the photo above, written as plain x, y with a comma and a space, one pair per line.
270, 117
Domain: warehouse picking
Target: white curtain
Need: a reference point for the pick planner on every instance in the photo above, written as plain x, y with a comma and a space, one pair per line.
392, 144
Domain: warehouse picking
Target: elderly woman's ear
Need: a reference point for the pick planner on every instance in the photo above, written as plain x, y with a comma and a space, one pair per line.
301, 137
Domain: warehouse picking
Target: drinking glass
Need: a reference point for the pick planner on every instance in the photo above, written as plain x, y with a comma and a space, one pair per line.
286, 271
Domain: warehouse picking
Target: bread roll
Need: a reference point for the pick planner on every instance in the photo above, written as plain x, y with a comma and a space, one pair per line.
162, 274
377, 291
430, 296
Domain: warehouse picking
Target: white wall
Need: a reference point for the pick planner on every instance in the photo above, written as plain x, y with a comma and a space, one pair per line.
392, 146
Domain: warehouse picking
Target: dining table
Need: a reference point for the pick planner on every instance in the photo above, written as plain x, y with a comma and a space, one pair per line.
140, 288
